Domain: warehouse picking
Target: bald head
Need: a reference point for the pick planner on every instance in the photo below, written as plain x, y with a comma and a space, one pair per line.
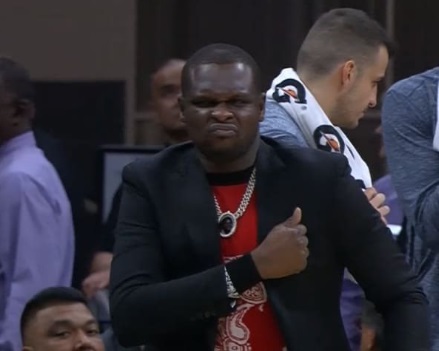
16, 100
220, 54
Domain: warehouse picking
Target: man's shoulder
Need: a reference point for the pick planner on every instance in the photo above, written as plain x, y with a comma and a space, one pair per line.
417, 85
306, 158
414, 99
162, 161
15, 179
294, 157
17, 185
24, 167
30, 172
273, 109
279, 125
29, 160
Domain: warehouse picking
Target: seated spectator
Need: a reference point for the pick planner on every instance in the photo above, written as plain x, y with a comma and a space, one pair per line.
58, 319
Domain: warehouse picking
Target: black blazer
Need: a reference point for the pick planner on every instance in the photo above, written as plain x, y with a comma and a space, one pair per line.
167, 282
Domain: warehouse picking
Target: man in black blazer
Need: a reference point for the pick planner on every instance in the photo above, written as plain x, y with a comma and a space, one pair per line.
233, 242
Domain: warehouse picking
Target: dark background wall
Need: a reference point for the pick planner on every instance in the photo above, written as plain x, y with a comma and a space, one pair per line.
416, 29
271, 31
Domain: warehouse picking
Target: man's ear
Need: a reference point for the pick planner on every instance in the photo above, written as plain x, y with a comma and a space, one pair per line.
24, 109
349, 71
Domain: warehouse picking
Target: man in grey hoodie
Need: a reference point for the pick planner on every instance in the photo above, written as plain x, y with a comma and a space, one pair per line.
411, 140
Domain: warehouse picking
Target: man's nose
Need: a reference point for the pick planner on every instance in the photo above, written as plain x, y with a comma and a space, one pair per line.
373, 101
83, 342
221, 112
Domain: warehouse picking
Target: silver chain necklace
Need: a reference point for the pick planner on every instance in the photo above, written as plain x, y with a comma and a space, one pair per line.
228, 221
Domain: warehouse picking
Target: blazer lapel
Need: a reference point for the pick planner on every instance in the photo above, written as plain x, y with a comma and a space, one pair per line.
193, 196
274, 185
277, 196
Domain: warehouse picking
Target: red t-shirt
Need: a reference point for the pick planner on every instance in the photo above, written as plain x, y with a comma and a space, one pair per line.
252, 326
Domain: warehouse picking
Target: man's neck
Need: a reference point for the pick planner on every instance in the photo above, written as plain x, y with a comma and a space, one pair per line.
12, 140
244, 162
14, 135
176, 138
321, 90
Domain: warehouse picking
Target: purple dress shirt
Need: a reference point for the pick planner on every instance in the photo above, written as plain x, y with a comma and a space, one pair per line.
36, 232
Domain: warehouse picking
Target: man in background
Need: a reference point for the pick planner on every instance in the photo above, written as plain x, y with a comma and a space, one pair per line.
339, 66
411, 140
58, 319
36, 230
165, 90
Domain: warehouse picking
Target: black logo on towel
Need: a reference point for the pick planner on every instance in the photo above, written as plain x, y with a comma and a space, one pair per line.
327, 138
290, 89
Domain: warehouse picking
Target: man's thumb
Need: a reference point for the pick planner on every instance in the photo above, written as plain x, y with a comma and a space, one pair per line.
296, 218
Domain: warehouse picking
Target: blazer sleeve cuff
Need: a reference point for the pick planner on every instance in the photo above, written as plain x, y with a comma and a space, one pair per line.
243, 273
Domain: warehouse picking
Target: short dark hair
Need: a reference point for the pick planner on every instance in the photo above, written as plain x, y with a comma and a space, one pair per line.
15, 79
220, 54
338, 36
165, 63
48, 297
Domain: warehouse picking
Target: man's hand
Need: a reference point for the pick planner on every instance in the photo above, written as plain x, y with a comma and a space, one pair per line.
95, 282
101, 261
284, 251
377, 201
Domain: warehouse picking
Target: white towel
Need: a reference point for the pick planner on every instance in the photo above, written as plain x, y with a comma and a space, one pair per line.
289, 91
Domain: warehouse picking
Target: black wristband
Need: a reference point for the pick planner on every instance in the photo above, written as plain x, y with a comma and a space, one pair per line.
243, 273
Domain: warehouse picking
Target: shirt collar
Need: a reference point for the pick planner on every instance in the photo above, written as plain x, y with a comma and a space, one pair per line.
21, 141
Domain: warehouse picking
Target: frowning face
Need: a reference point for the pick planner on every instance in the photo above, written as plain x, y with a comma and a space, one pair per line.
222, 110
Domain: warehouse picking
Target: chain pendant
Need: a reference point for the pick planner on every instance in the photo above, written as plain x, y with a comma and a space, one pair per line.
228, 221
227, 224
